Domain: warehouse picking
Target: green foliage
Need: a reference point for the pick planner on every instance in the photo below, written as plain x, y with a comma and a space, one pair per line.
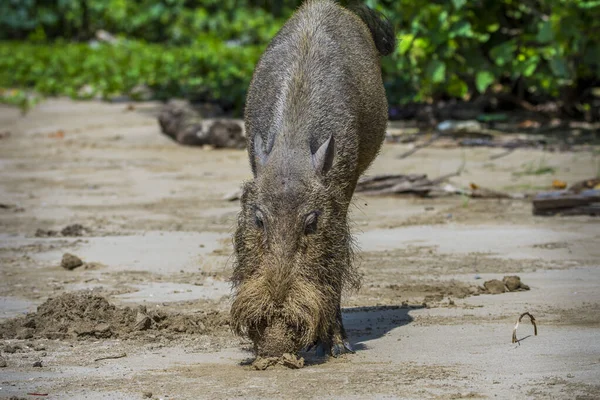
547, 44
207, 48
212, 71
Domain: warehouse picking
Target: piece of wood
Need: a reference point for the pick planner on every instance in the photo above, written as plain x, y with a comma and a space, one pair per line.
564, 199
182, 123
420, 146
122, 355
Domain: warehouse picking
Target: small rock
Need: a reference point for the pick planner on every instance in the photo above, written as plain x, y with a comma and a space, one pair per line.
70, 261
262, 363
38, 364
102, 330
147, 395
2, 362
142, 322
494, 286
292, 361
513, 283
73, 230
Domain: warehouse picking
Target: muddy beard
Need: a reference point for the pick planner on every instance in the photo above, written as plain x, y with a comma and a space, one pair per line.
304, 316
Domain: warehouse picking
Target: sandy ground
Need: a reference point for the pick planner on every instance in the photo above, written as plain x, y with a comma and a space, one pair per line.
158, 233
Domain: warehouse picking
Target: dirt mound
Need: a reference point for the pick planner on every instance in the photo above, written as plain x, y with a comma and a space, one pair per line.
84, 315
507, 284
73, 230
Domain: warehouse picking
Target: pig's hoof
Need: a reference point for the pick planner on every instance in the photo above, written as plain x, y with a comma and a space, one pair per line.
341, 348
322, 349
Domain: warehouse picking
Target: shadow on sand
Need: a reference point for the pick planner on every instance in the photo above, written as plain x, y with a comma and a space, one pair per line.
363, 324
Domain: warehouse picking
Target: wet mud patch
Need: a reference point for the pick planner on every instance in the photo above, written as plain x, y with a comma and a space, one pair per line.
410, 292
84, 315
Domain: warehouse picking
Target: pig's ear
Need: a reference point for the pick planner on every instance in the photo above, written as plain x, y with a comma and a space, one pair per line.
260, 154
323, 158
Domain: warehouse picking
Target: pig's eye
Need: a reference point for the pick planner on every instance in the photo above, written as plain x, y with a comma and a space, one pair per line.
310, 224
258, 219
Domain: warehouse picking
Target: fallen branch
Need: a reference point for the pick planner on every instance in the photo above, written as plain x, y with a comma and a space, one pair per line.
122, 355
182, 123
504, 153
398, 183
419, 147
531, 317
567, 202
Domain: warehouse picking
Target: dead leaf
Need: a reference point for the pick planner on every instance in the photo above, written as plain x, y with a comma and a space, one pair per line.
60, 134
558, 184
529, 124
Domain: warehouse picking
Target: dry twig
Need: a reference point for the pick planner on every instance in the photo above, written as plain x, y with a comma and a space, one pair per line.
122, 355
418, 147
504, 153
531, 317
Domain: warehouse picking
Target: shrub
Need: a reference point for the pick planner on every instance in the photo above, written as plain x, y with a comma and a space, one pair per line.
206, 49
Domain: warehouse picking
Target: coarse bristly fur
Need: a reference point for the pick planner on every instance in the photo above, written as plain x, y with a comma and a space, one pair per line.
315, 117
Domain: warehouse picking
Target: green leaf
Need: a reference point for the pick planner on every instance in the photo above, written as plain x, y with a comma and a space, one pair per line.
559, 67
483, 80
405, 42
457, 87
503, 53
545, 34
462, 28
493, 27
528, 67
458, 4
588, 4
436, 71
